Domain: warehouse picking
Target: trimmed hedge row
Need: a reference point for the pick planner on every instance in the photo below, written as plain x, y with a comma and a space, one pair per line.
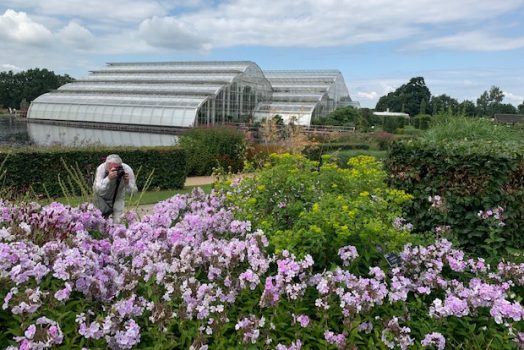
470, 176
315, 152
41, 169
211, 147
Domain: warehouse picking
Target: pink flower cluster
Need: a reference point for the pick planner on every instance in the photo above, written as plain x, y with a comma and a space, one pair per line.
193, 261
495, 214
43, 334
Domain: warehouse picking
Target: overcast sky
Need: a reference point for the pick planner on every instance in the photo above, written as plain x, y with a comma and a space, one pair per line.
460, 47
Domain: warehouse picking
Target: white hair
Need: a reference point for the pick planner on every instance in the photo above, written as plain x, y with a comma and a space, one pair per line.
114, 158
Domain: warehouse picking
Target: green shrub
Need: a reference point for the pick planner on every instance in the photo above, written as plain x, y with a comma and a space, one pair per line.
469, 177
209, 148
392, 123
307, 208
342, 157
315, 152
421, 121
38, 170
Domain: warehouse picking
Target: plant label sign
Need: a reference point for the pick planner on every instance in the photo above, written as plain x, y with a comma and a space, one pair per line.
392, 259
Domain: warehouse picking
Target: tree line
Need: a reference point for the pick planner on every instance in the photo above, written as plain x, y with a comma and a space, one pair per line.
21, 88
414, 98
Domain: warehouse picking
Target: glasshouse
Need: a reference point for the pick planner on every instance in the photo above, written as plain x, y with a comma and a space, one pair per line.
302, 95
189, 94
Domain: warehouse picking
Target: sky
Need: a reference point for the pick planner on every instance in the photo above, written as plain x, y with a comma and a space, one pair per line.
460, 47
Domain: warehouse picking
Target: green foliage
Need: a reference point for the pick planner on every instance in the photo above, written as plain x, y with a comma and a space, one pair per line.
392, 123
467, 108
28, 85
473, 168
346, 116
209, 148
307, 208
316, 151
491, 102
407, 98
503, 108
421, 121
42, 171
362, 119
521, 108
444, 104
452, 128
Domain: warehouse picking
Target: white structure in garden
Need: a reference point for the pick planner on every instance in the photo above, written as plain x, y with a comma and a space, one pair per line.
189, 94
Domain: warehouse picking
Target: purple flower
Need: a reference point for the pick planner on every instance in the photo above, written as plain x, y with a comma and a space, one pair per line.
303, 320
347, 254
434, 339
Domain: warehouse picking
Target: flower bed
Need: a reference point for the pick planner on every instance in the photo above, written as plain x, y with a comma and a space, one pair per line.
191, 275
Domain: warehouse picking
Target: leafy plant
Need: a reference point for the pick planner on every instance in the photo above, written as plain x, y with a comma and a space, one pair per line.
208, 148
472, 166
308, 208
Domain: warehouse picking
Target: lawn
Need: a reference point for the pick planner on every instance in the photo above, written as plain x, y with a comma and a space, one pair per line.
139, 198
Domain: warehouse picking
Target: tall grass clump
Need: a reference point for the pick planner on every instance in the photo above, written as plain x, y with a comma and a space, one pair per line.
459, 128
3, 188
217, 147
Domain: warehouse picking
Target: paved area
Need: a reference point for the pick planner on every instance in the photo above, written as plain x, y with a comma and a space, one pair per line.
190, 181
199, 180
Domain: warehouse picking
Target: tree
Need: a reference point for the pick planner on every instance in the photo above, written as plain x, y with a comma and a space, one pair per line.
467, 108
423, 107
406, 98
444, 104
483, 104
503, 108
340, 117
488, 102
496, 95
521, 108
28, 85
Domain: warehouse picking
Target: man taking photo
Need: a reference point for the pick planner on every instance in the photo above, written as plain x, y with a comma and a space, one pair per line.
112, 180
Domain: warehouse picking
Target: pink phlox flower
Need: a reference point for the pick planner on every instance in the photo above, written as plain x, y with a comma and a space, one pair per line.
503, 309
347, 254
366, 327
303, 320
434, 339
63, 294
295, 345
339, 340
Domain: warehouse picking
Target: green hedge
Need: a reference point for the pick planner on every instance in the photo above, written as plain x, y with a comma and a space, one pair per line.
470, 176
213, 147
40, 169
315, 152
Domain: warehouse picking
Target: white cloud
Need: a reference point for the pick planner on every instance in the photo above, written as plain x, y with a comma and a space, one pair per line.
372, 95
167, 32
513, 99
17, 27
114, 10
322, 23
202, 25
75, 35
473, 41
8, 67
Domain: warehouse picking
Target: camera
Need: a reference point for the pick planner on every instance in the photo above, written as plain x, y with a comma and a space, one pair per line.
120, 172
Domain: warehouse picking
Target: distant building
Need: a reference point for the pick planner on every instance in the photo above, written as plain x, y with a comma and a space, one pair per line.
509, 118
387, 113
189, 94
